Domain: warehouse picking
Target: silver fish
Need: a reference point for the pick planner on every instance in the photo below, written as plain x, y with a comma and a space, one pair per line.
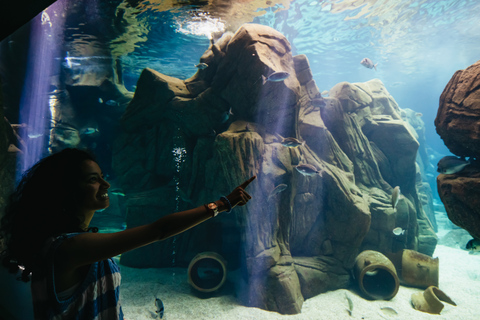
372, 272
398, 231
89, 131
35, 135
291, 142
281, 187
307, 169
350, 305
367, 63
160, 307
112, 103
201, 66
389, 311
395, 196
451, 165
278, 76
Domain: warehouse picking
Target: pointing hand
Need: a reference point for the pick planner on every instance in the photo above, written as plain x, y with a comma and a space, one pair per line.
239, 197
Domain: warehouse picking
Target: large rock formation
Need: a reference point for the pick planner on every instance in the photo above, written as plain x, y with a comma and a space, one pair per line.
458, 116
185, 143
458, 124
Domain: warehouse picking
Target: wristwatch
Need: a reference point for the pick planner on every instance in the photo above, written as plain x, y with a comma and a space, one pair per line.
212, 208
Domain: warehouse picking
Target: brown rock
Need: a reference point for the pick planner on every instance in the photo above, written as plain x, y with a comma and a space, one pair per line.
264, 51
303, 240
458, 116
459, 194
320, 274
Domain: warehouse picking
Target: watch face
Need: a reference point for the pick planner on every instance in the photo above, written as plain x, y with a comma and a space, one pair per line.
212, 206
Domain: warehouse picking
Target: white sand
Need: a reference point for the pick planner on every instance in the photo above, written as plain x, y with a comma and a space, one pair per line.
459, 279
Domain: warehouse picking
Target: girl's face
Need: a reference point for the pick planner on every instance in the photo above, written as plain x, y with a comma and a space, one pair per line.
93, 188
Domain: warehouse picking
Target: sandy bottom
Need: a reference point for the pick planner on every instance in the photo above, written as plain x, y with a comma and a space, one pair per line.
459, 279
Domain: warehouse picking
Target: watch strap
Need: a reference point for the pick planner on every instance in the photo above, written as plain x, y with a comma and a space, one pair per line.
213, 211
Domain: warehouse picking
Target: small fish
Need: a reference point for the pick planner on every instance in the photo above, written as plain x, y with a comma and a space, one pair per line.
118, 193
281, 187
319, 102
278, 76
325, 93
367, 63
89, 131
398, 231
307, 169
201, 66
372, 272
473, 246
226, 115
419, 114
35, 135
389, 311
292, 142
395, 197
451, 164
275, 77
160, 307
350, 305
100, 100
112, 103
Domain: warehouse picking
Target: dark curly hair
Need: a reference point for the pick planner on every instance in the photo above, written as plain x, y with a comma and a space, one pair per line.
41, 206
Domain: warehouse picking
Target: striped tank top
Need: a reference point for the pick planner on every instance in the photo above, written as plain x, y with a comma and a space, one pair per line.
95, 298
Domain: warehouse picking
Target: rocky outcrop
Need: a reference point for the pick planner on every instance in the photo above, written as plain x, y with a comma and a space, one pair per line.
185, 143
384, 151
459, 194
457, 123
458, 115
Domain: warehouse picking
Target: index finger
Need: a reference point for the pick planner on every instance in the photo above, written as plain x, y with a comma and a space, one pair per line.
246, 183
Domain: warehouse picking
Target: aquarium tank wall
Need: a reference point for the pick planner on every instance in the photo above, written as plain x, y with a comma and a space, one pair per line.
345, 110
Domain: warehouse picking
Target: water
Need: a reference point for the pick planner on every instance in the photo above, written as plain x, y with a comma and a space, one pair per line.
417, 44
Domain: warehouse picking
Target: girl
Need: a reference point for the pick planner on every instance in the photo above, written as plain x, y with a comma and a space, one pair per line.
46, 232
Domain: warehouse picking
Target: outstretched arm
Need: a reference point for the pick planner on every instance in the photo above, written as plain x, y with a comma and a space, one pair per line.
87, 248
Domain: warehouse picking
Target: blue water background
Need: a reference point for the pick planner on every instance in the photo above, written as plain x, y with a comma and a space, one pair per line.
418, 46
